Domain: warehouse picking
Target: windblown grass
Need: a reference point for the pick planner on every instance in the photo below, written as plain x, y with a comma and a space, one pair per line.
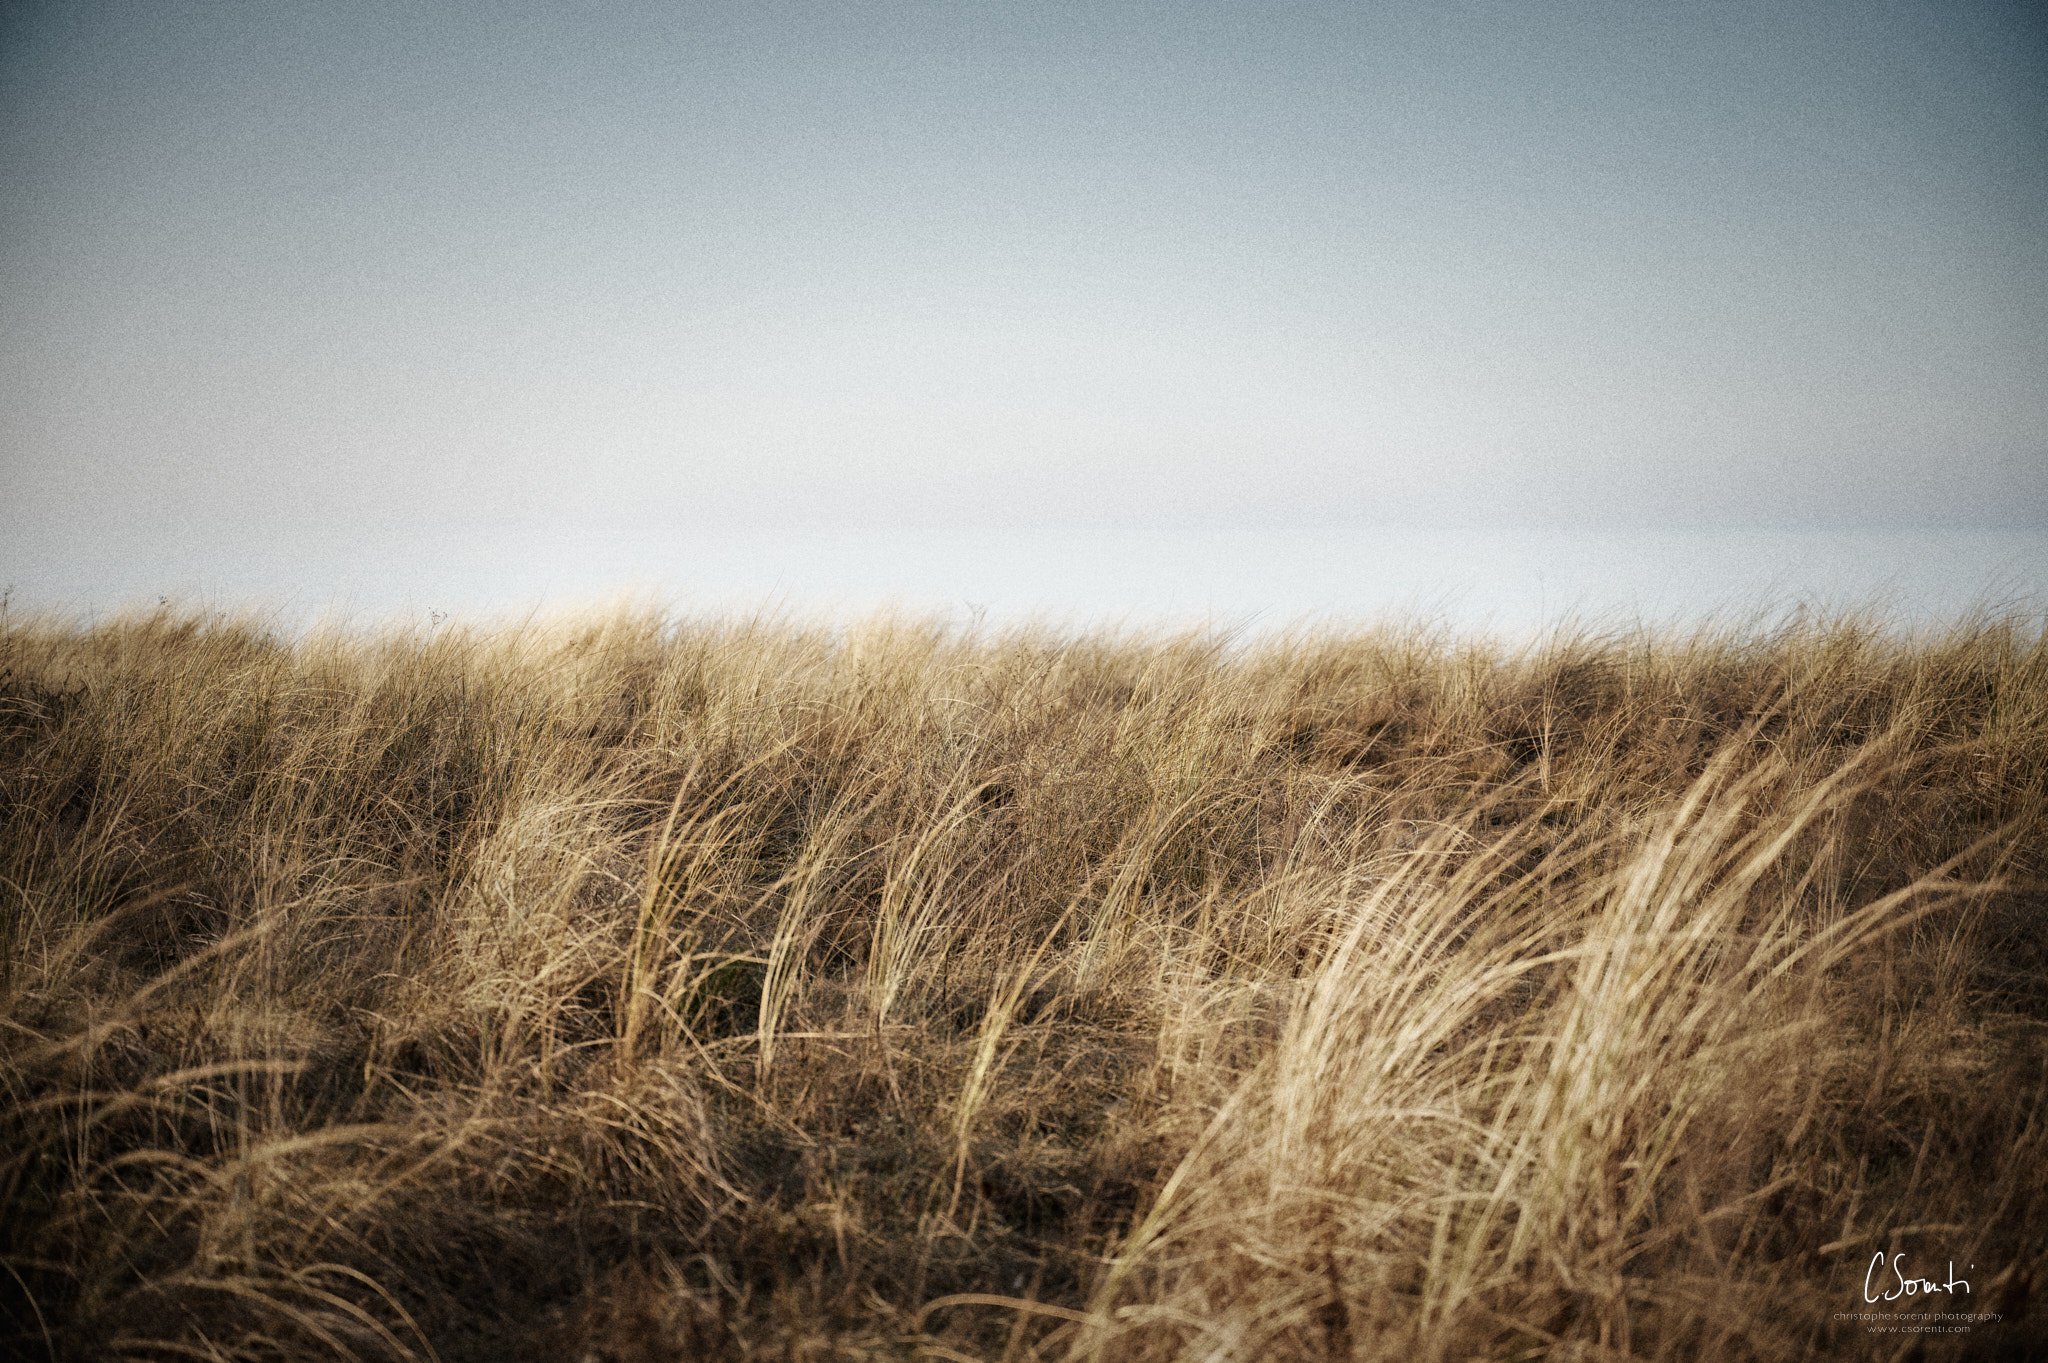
639, 990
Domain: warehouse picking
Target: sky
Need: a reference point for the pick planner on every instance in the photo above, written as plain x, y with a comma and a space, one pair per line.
1273, 307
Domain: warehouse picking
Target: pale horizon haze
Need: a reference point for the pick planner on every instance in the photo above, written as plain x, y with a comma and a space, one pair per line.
1118, 310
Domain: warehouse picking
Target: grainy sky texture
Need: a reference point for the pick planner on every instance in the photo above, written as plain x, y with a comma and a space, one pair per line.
285, 286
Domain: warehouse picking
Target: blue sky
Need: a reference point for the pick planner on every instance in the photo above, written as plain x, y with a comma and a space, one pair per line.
479, 286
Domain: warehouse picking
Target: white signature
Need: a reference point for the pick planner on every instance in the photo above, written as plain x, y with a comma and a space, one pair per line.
1908, 1286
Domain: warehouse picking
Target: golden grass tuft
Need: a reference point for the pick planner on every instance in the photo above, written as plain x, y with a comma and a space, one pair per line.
632, 989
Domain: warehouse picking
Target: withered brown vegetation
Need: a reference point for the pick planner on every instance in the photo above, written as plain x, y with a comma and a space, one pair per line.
634, 989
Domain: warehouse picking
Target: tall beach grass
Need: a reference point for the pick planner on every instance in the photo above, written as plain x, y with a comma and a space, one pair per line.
635, 989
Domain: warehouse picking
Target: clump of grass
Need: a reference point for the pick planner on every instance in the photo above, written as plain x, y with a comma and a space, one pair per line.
640, 989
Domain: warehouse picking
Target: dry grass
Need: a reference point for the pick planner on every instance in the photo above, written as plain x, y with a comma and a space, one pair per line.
633, 990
